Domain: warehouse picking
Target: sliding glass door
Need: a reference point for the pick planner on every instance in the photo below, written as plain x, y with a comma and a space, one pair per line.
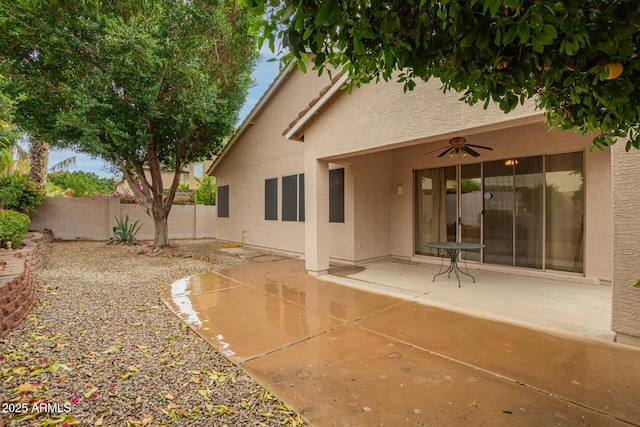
470, 218
497, 220
435, 207
528, 212
565, 212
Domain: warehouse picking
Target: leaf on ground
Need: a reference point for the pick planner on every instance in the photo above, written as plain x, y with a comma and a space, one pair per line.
112, 349
204, 393
25, 388
507, 411
90, 392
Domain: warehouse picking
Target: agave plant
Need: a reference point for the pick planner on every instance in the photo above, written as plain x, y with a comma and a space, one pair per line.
124, 232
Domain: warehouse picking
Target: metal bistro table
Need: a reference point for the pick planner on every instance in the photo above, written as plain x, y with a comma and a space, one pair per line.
453, 249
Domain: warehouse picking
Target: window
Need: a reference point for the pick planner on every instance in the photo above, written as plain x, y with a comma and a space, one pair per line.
301, 197
271, 199
293, 198
336, 195
197, 170
223, 201
290, 198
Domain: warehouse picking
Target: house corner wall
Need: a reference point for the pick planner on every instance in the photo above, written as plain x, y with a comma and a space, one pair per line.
373, 188
626, 231
599, 220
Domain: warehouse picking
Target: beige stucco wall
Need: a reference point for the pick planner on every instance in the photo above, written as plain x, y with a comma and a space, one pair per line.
260, 153
380, 145
80, 218
371, 205
381, 116
370, 121
626, 231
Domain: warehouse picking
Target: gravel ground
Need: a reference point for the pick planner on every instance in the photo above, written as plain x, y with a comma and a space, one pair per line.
101, 349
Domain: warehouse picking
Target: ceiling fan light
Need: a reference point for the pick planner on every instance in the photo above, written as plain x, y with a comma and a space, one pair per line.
457, 141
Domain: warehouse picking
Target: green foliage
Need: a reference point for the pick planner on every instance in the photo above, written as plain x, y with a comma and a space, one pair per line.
205, 194
183, 186
7, 129
52, 190
13, 227
123, 232
138, 83
470, 186
81, 184
18, 194
563, 54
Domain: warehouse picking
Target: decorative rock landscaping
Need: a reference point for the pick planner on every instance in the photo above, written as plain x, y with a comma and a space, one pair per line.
99, 348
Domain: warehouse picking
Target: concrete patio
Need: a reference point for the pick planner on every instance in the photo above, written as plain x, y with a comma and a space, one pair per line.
562, 304
385, 345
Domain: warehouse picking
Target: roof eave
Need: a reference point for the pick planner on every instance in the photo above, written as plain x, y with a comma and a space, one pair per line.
295, 133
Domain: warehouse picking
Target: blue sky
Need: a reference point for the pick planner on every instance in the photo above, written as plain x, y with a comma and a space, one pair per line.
263, 75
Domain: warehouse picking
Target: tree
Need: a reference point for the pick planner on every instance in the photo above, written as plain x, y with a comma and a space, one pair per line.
82, 184
138, 83
38, 157
577, 59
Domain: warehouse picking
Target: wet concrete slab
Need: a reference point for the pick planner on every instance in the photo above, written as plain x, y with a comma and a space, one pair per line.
344, 356
603, 376
354, 377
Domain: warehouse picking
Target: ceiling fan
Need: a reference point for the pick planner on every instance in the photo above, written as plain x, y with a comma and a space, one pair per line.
459, 146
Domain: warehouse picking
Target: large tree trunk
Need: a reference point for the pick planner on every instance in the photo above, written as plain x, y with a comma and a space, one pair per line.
160, 226
38, 155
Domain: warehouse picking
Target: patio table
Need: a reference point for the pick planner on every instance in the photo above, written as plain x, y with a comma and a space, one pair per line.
453, 250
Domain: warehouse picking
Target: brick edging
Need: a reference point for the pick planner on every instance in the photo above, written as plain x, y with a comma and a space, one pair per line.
17, 290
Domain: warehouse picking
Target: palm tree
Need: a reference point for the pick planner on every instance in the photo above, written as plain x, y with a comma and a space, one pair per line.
38, 156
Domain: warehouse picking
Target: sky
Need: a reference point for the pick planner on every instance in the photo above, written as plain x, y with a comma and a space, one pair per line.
264, 73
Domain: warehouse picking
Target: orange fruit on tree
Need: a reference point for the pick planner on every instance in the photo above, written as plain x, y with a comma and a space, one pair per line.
615, 69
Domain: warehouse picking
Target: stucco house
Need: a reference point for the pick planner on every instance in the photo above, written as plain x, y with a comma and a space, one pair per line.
356, 178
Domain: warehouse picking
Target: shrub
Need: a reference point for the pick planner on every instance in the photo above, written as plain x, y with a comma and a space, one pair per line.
127, 199
124, 232
52, 190
82, 184
19, 194
206, 191
184, 199
13, 227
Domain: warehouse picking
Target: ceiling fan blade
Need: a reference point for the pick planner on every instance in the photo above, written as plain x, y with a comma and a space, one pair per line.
471, 151
445, 151
433, 151
480, 146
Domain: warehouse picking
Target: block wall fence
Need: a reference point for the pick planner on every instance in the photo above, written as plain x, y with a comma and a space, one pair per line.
17, 289
80, 218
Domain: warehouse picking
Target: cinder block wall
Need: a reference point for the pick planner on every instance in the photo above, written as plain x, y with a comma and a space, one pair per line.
94, 219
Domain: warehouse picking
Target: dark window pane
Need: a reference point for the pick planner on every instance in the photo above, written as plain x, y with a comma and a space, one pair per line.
271, 199
301, 197
290, 198
336, 195
223, 201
